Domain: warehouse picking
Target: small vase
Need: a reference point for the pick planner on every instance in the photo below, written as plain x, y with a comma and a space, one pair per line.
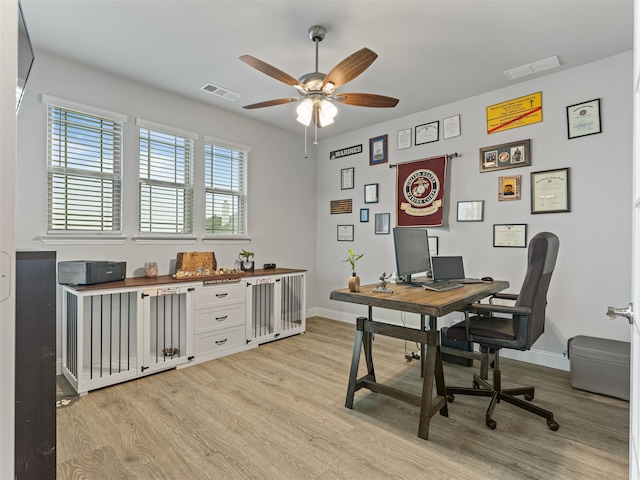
354, 283
247, 266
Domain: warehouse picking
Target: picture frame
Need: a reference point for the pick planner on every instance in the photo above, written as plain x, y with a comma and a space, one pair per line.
378, 150
550, 191
404, 138
510, 235
509, 188
451, 127
427, 133
584, 119
470, 211
345, 233
382, 221
506, 155
371, 193
433, 246
346, 178
364, 215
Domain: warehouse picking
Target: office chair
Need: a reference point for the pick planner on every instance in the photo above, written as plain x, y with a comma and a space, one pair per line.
516, 327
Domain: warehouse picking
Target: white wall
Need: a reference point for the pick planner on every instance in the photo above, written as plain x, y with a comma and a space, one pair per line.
281, 209
592, 271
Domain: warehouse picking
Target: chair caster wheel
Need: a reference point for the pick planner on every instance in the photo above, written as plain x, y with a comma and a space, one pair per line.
476, 385
450, 397
491, 423
553, 425
528, 396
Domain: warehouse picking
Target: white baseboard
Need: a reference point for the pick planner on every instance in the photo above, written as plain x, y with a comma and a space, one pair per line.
535, 357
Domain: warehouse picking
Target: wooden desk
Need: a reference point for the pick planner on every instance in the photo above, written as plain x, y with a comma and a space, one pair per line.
415, 300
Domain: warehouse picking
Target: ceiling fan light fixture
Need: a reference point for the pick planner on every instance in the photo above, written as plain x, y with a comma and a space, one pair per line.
305, 112
326, 113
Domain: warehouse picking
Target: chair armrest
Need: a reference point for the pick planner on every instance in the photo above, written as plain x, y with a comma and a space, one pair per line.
504, 296
484, 308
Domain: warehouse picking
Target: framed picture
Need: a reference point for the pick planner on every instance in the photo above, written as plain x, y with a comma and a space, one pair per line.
550, 191
471, 211
371, 193
507, 155
433, 246
427, 133
382, 223
345, 233
451, 127
364, 214
378, 150
404, 138
583, 119
509, 188
346, 178
510, 235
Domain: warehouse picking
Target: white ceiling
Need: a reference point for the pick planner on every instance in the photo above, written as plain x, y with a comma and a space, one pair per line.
430, 52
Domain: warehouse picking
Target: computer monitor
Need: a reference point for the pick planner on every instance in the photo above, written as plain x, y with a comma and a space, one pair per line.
412, 252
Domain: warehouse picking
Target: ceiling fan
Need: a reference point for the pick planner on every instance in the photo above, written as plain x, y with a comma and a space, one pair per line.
317, 91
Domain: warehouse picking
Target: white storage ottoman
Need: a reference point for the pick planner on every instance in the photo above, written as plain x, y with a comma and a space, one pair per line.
600, 365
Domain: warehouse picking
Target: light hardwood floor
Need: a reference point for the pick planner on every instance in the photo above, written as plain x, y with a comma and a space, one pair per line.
277, 412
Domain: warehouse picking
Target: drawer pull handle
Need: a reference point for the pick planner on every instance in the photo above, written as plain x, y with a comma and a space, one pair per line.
220, 319
221, 295
221, 342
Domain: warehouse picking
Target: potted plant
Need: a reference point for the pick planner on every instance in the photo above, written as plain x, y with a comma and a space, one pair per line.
246, 264
354, 280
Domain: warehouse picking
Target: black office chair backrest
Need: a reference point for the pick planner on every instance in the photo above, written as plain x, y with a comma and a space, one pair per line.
543, 251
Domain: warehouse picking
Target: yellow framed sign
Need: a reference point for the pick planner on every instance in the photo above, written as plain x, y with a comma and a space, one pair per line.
514, 113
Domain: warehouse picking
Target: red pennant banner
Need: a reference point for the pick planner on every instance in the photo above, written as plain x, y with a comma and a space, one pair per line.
420, 192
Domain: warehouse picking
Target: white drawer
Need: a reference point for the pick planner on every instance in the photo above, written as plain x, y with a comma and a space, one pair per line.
218, 341
210, 319
217, 295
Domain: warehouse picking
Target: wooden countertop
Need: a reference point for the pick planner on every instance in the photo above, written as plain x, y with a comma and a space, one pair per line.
132, 282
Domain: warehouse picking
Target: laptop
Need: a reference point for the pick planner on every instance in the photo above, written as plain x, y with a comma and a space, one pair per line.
450, 269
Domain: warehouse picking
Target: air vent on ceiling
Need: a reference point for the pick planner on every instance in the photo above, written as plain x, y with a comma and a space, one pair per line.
220, 92
531, 68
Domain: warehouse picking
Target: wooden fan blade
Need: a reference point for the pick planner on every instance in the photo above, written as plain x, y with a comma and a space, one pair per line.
350, 67
270, 70
271, 103
366, 100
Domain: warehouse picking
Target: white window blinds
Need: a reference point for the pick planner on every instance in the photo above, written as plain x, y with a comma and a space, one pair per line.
166, 183
84, 171
226, 190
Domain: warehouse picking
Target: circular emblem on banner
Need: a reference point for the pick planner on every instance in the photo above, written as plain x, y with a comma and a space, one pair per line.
421, 187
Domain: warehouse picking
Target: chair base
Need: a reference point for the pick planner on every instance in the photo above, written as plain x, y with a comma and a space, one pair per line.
483, 388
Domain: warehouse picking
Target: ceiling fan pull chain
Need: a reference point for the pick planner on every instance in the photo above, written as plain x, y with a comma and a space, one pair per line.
305, 142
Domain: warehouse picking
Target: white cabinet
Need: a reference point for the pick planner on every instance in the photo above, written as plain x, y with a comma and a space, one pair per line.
276, 307
219, 321
118, 331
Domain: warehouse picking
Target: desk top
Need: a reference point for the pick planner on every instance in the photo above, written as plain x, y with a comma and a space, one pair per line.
409, 298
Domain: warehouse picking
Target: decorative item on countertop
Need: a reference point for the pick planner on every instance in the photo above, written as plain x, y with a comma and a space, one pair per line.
203, 265
246, 265
354, 281
151, 269
382, 286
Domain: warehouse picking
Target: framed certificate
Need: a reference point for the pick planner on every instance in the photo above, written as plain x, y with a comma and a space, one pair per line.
550, 191
427, 133
382, 223
510, 235
378, 151
404, 138
346, 178
451, 127
583, 119
371, 193
471, 211
345, 233
364, 214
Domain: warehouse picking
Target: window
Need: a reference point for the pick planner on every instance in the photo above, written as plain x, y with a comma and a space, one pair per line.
225, 188
84, 165
166, 181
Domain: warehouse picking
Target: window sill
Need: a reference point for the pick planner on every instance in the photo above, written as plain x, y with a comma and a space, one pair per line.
165, 240
226, 240
64, 239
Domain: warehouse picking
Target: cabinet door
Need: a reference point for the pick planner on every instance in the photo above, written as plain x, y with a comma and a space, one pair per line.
167, 328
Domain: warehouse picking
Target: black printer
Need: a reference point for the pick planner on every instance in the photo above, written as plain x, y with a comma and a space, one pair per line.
87, 272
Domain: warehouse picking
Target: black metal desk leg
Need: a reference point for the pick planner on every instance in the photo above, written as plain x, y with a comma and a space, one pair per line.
355, 362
